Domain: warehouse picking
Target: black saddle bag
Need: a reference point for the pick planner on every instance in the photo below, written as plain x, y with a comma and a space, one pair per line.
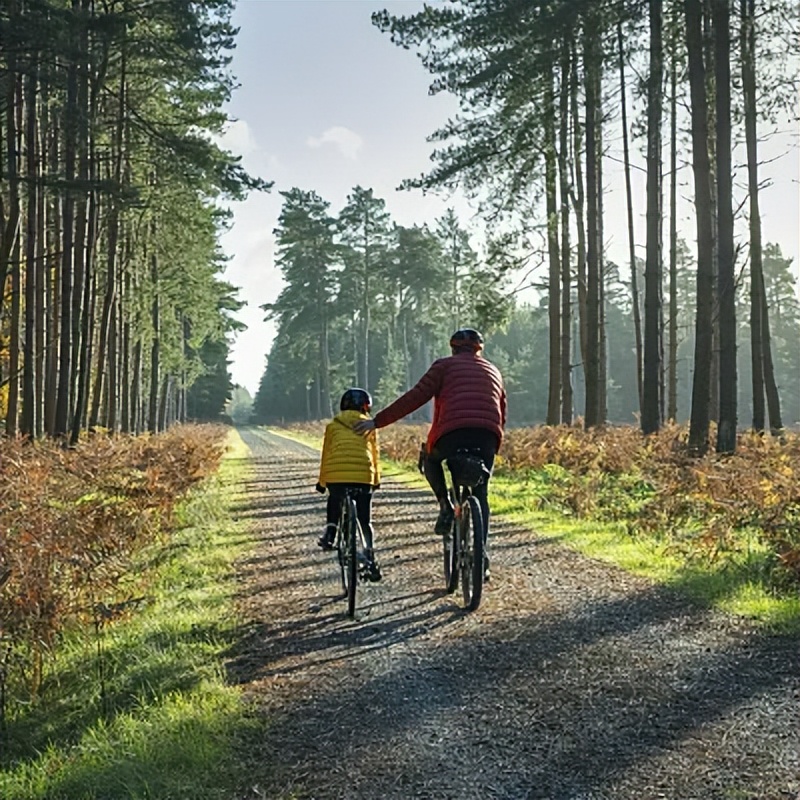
468, 470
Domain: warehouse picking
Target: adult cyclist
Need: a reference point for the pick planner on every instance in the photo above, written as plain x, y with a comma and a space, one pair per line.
469, 411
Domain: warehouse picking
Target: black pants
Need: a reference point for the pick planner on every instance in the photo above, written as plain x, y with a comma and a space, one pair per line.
480, 439
363, 506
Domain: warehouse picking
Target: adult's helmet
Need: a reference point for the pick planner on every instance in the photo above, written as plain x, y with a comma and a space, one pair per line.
355, 400
467, 337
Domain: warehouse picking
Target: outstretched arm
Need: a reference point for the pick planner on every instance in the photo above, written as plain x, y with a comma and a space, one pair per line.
364, 426
425, 388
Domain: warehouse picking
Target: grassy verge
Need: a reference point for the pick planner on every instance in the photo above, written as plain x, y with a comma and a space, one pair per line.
738, 586
141, 709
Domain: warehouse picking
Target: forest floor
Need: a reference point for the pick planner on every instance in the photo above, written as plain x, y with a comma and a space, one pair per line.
573, 680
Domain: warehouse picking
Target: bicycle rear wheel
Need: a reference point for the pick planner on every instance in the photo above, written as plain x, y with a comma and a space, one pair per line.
351, 554
471, 534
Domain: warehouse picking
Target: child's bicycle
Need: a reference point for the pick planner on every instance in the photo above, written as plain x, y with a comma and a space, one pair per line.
351, 547
464, 546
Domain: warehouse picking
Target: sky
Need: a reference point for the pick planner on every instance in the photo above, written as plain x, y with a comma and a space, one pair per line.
326, 103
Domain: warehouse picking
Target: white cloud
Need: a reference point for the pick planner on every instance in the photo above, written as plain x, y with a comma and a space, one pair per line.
238, 138
348, 142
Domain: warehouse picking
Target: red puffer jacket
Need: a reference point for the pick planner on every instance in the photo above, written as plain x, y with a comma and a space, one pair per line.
468, 392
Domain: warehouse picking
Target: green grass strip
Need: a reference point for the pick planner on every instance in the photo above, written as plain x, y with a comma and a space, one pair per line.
161, 722
738, 586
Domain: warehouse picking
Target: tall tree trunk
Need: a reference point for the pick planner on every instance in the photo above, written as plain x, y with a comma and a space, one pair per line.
87, 326
637, 321
701, 167
366, 321
580, 208
155, 348
9, 226
773, 399
109, 301
41, 319
652, 376
602, 348
728, 381
554, 273
763, 376
112, 385
163, 404
126, 345
591, 100
672, 381
31, 408
566, 260
326, 408
52, 279
136, 418
83, 244
104, 363
708, 49
12, 412
67, 322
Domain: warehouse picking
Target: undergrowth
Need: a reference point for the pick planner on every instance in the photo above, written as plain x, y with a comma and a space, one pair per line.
139, 706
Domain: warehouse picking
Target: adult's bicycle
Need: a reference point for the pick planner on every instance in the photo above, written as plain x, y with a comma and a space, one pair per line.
464, 547
351, 547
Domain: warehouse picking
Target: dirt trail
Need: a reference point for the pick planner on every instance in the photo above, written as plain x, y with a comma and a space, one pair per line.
573, 681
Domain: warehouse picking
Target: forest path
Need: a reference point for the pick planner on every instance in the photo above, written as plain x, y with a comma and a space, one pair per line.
573, 680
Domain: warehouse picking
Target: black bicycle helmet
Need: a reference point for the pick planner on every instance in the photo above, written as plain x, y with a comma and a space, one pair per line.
355, 400
467, 337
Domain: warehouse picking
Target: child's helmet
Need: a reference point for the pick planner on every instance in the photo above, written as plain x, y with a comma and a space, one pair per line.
355, 400
467, 338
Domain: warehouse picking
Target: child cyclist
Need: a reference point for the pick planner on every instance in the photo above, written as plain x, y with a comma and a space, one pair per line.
350, 460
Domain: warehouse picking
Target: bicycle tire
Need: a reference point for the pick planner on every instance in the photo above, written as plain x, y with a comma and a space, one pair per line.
450, 557
450, 552
471, 530
341, 550
351, 553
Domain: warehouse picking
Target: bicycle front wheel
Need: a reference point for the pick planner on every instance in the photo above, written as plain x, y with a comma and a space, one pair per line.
349, 539
450, 556
471, 535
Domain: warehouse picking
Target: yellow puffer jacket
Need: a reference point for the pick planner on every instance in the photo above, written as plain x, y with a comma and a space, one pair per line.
347, 456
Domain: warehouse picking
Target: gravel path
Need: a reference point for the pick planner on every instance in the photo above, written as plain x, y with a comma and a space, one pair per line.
573, 681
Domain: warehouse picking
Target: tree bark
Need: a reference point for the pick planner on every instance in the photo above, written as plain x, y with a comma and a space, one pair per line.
726, 279
580, 208
12, 412
592, 370
554, 271
637, 321
652, 377
672, 380
763, 375
566, 256
700, 414
9, 226
68, 217
109, 299
31, 402
155, 347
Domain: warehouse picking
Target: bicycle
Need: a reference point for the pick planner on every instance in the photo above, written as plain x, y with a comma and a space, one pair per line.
464, 547
351, 545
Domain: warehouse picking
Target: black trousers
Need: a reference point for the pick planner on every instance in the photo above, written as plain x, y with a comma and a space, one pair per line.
363, 500
480, 439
